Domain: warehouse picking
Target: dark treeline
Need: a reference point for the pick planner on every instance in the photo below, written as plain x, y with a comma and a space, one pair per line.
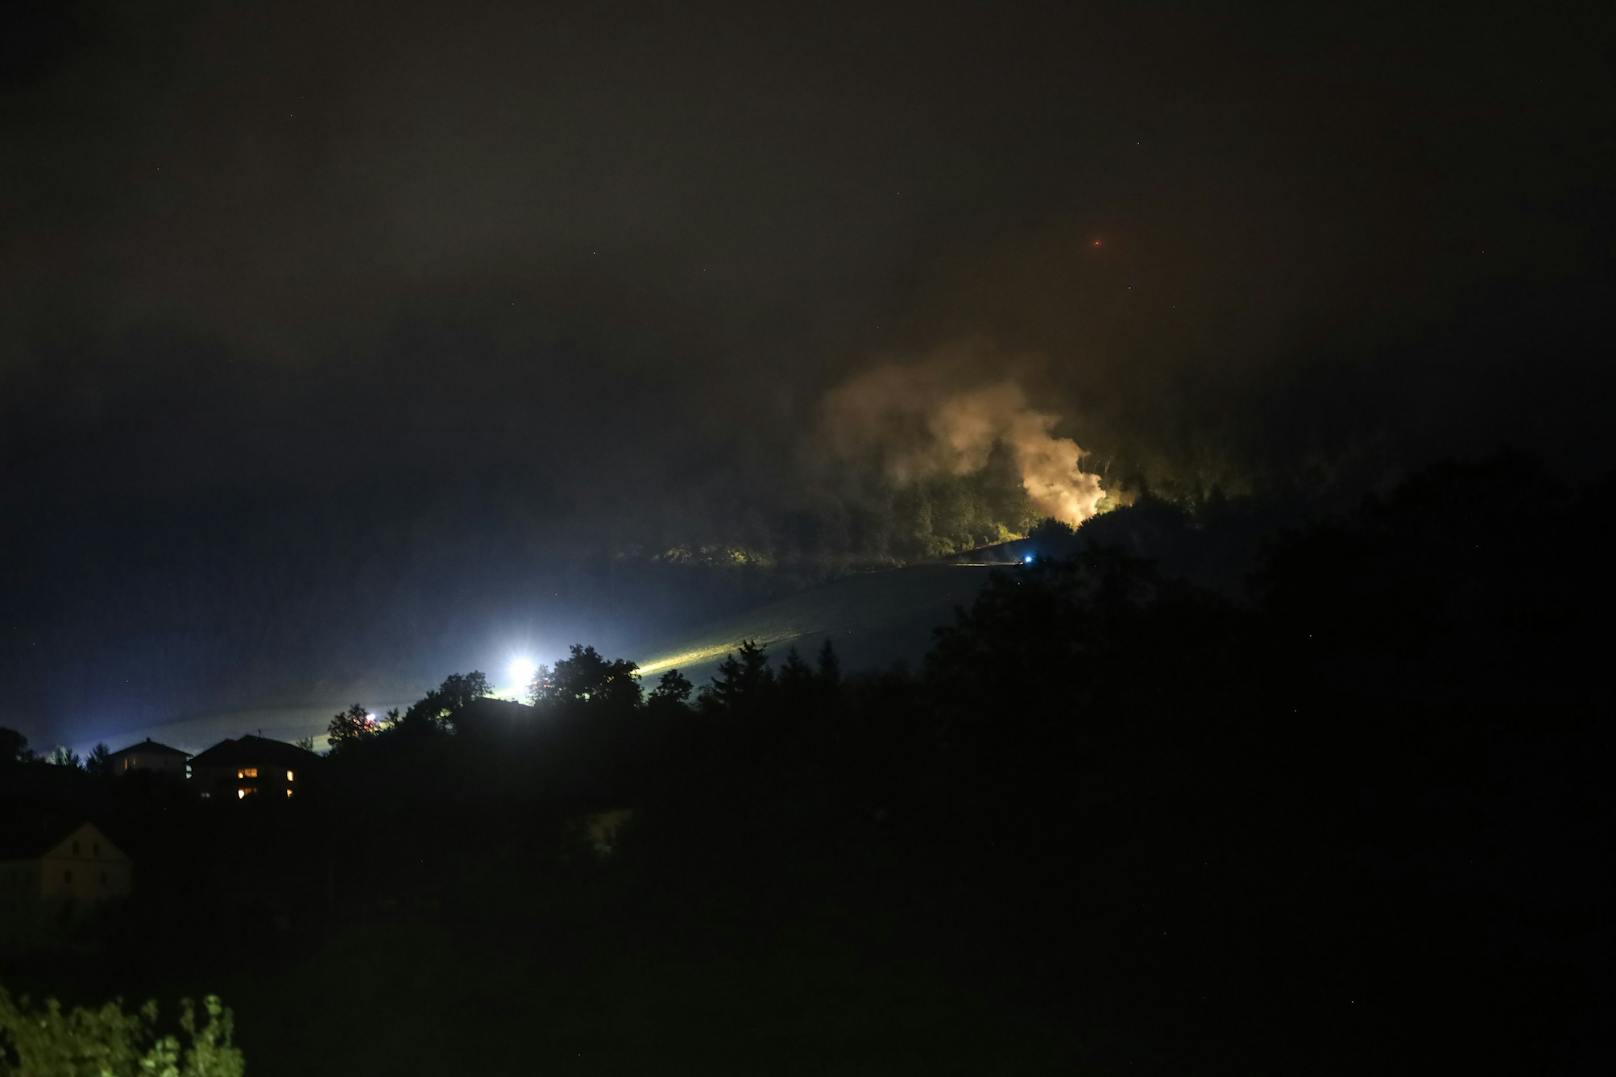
1350, 819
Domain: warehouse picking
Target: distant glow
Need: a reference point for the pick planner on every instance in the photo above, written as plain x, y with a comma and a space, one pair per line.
521, 672
370, 719
290, 777
241, 794
1027, 560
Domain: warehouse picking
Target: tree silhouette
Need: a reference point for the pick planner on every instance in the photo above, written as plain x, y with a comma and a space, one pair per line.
99, 761
350, 727
796, 677
13, 747
436, 710
585, 677
742, 681
829, 666
672, 690
461, 689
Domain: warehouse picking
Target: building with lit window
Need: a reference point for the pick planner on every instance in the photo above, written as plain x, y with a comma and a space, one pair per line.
252, 767
148, 755
54, 877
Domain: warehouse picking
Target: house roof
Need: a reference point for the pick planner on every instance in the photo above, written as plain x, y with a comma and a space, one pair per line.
150, 747
256, 751
33, 837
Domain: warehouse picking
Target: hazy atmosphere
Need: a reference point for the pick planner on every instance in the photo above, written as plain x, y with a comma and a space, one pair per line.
327, 320
844, 539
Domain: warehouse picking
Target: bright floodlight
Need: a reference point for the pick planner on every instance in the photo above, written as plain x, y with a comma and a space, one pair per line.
1027, 560
521, 672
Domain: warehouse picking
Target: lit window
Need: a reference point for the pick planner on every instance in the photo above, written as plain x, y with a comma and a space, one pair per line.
241, 794
247, 772
290, 776
288, 794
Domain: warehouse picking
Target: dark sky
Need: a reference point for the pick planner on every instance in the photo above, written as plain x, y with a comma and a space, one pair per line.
335, 335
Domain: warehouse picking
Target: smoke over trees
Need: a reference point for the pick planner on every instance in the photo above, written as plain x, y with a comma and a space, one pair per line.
943, 453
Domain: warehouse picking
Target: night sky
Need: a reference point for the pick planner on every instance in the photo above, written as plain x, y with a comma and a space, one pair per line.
336, 338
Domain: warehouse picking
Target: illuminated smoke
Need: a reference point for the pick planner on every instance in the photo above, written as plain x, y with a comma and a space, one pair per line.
922, 420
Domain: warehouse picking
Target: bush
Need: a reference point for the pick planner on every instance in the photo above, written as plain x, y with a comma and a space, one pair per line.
108, 1042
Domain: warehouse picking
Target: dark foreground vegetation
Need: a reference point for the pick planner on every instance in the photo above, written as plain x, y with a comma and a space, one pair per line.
1355, 821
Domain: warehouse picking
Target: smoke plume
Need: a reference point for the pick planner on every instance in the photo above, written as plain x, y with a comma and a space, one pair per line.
940, 417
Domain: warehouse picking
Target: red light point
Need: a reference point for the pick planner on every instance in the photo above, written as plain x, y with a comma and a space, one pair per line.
1096, 243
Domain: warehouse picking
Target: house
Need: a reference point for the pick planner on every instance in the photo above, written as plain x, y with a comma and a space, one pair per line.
252, 767
151, 756
55, 876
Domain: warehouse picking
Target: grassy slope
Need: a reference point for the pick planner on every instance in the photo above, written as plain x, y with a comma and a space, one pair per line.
873, 618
